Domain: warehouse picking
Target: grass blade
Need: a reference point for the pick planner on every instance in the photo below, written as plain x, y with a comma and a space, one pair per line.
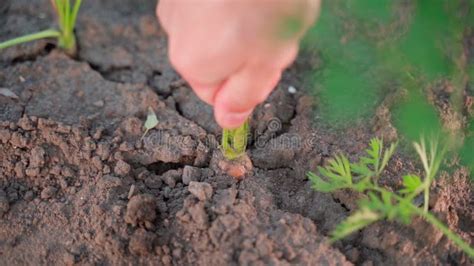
75, 10
30, 37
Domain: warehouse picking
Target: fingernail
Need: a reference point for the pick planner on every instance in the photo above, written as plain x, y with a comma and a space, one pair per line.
232, 120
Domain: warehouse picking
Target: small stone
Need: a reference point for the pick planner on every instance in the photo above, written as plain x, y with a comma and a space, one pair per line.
18, 140
37, 157
122, 168
291, 90
352, 254
140, 208
63, 129
99, 103
29, 195
69, 259
32, 172
166, 260
171, 177
13, 196
25, 123
201, 190
125, 146
19, 170
190, 173
103, 151
97, 162
5, 136
63, 183
131, 192
166, 249
55, 170
106, 169
177, 253
153, 181
224, 199
108, 182
48, 192
67, 172
98, 133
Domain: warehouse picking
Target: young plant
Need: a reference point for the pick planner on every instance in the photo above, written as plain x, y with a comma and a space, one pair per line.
381, 203
234, 141
66, 40
151, 122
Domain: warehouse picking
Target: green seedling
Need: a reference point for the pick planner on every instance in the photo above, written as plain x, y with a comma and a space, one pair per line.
380, 203
66, 40
151, 121
234, 141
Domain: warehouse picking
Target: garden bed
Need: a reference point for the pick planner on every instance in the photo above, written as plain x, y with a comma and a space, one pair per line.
78, 185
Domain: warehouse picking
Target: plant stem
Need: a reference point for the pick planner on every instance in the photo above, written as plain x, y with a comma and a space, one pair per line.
426, 197
234, 141
436, 223
445, 230
67, 41
31, 37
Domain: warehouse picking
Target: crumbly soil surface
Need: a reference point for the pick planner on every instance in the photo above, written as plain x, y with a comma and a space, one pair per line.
79, 185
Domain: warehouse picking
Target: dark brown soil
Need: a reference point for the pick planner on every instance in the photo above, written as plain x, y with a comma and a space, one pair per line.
78, 186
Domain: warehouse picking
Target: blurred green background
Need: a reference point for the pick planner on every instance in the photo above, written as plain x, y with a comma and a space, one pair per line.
414, 57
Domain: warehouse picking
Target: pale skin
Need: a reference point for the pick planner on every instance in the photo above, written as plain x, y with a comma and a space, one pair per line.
233, 52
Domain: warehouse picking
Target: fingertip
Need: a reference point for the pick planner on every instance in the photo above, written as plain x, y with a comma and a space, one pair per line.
230, 120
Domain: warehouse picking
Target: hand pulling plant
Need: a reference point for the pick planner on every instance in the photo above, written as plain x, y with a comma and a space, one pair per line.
66, 40
380, 202
234, 141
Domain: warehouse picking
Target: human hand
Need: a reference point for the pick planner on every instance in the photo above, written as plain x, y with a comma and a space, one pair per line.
232, 52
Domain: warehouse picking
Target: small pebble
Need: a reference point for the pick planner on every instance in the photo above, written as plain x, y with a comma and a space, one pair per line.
291, 89
131, 192
202, 191
29, 195
48, 192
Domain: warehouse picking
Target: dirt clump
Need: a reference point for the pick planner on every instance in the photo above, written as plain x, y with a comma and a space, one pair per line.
201, 190
140, 209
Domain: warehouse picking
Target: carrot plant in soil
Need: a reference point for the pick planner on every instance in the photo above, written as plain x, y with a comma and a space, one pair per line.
236, 162
380, 203
66, 12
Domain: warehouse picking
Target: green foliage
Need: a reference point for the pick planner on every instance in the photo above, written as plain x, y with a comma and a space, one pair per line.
381, 203
367, 49
339, 172
234, 141
356, 221
411, 183
67, 16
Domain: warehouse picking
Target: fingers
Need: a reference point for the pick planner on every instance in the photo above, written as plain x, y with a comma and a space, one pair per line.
239, 95
204, 43
243, 91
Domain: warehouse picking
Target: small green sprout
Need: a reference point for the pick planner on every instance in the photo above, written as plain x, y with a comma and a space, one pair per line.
381, 203
66, 40
234, 141
151, 121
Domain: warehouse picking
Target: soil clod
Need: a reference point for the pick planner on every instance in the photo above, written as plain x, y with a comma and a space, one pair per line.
140, 209
201, 190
